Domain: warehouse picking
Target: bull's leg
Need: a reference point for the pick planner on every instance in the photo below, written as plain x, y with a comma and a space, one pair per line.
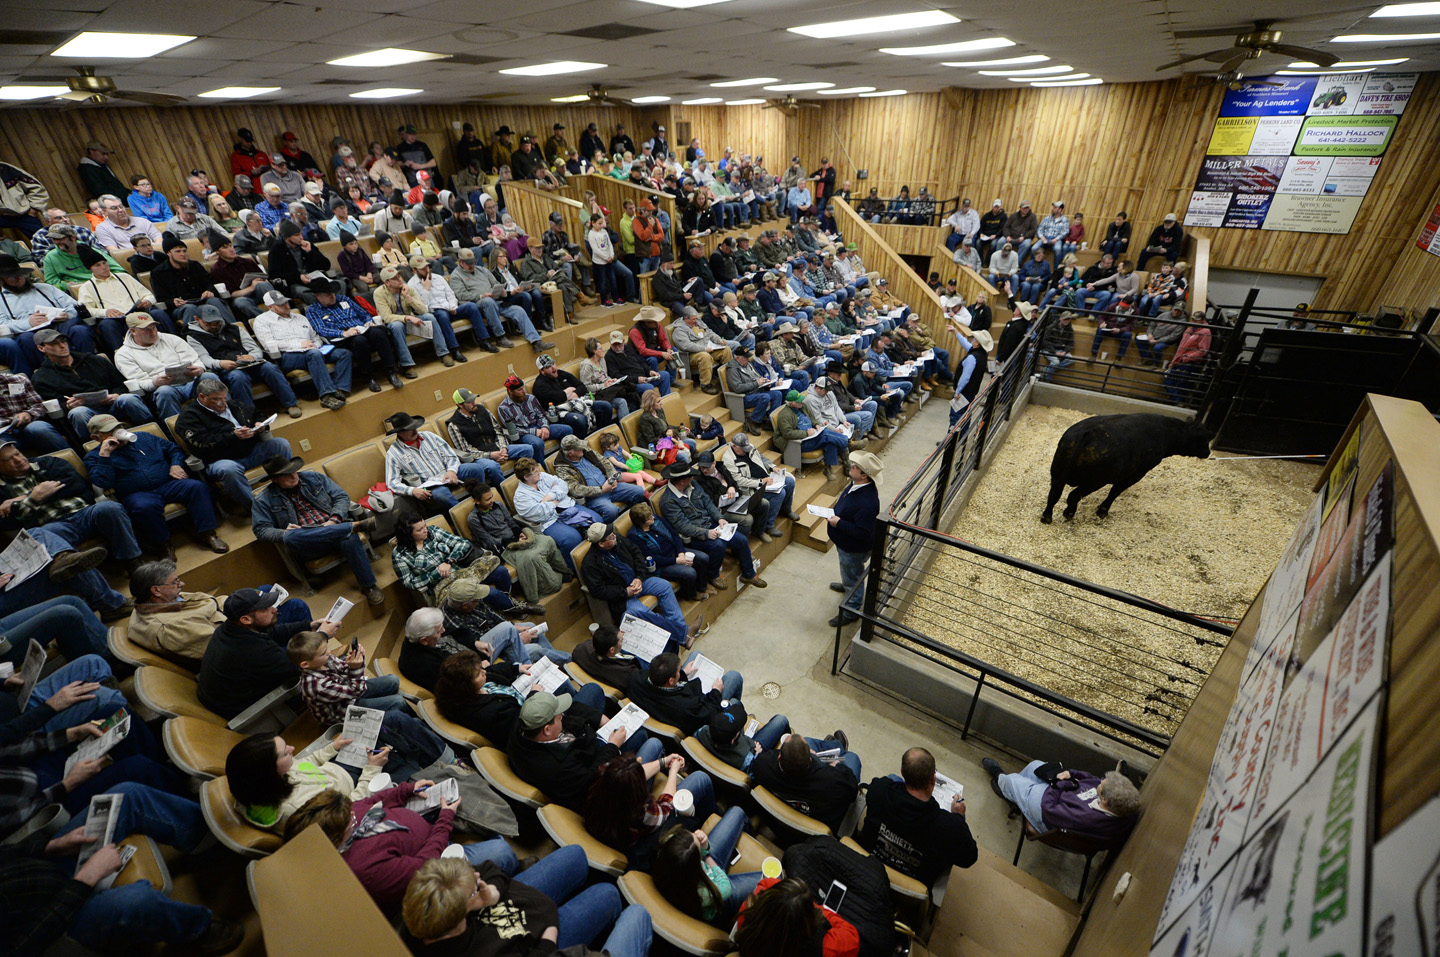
1076, 494
1057, 486
1115, 491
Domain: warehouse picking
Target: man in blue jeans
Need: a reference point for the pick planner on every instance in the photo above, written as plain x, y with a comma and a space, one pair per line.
293, 343
65, 619
593, 480
226, 437
423, 466
49, 499
309, 514
445, 893
615, 572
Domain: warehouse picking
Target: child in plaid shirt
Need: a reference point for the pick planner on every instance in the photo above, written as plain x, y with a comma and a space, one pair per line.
330, 684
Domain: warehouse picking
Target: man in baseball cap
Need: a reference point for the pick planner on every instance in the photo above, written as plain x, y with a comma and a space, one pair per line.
245, 659
555, 747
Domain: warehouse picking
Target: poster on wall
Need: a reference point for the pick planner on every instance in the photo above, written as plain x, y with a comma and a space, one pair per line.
1405, 886
1299, 156
1430, 236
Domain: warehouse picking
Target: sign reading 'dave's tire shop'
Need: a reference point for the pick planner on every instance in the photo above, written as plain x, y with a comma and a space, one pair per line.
1298, 156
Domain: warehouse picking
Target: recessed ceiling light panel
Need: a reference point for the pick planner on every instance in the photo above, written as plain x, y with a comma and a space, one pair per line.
1008, 61
1033, 71
850, 90
798, 87
554, 68
868, 25
884, 93
390, 56
384, 93
120, 46
702, 101
238, 92
753, 81
649, 99
964, 46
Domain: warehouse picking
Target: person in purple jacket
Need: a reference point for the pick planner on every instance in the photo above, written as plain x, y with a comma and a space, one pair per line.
1051, 798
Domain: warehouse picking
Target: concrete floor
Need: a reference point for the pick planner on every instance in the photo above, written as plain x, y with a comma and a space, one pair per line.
779, 634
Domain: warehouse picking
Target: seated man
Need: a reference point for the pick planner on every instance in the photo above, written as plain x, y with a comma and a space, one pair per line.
477, 437
288, 338
230, 352
146, 355
476, 286
668, 692
624, 361
906, 829
294, 261
307, 513
119, 226
879, 355
182, 285
1100, 808
794, 425
603, 658
109, 295
404, 312
31, 308
347, 327
593, 480
563, 391
524, 419
230, 269
724, 736
189, 222
831, 407
753, 513
472, 621
794, 361
706, 350
50, 499
179, 623
540, 569
66, 376
225, 437
614, 572
65, 264
422, 466
22, 416
439, 301
555, 747
692, 514
755, 474
245, 658
1165, 240
428, 642
147, 473
670, 289
822, 789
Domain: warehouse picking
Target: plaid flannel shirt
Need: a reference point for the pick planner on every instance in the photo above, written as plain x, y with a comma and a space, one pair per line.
329, 692
12, 404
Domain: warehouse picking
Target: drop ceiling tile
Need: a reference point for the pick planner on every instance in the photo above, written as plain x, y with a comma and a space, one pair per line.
299, 23
177, 16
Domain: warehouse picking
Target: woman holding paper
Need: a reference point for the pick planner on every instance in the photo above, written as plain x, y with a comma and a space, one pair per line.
620, 811
852, 529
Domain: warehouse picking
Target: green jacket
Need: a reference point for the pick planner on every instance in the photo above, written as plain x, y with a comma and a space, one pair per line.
746, 260
752, 310
838, 325
770, 254
787, 427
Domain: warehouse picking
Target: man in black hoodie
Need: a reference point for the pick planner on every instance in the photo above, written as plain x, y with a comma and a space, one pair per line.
822, 789
684, 704
245, 659
293, 258
555, 748
908, 830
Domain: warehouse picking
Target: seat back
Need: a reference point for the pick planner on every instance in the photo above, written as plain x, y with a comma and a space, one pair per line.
630, 427
461, 738
676, 412
583, 677
460, 516
593, 439
713, 766
172, 695
357, 469
681, 931
494, 766
229, 826
566, 827
198, 747
117, 638
786, 816
389, 666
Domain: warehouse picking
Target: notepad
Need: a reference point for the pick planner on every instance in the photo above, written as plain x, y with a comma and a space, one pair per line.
819, 511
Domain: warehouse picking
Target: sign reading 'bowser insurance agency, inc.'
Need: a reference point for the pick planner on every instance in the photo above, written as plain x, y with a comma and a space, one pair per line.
1298, 155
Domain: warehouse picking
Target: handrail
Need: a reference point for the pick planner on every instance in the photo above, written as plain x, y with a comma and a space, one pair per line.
531, 208
970, 284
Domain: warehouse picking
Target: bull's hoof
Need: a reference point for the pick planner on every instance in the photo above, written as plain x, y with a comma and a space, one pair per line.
1101, 512
1046, 519
1069, 514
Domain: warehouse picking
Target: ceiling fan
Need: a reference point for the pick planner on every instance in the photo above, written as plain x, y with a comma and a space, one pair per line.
89, 88
1249, 44
790, 105
597, 95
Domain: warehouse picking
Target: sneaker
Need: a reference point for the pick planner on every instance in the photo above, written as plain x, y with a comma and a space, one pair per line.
332, 400
294, 412
374, 595
992, 768
221, 937
69, 564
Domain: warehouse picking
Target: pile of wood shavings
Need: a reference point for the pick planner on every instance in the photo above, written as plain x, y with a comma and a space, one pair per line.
1197, 535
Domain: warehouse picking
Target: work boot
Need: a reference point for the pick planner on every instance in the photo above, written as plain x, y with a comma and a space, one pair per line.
67, 565
409, 372
447, 361
832, 473
489, 346
395, 382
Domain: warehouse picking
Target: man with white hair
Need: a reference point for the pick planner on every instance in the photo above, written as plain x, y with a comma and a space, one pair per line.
274, 210
755, 474
224, 435
288, 338
42, 242
114, 234
1050, 797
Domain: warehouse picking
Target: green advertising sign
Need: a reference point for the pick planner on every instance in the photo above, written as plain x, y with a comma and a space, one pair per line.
1345, 135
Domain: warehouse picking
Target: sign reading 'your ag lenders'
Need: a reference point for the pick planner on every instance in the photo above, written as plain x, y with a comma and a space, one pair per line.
1298, 156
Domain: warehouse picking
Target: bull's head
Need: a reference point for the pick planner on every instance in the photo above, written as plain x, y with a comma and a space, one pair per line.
1196, 441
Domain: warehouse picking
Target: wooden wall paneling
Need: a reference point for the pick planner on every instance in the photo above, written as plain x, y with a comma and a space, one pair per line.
531, 208
909, 240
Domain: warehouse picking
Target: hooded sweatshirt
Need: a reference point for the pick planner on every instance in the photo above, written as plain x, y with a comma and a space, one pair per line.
141, 364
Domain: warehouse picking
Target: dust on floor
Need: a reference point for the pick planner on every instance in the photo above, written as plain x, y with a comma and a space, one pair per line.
1196, 535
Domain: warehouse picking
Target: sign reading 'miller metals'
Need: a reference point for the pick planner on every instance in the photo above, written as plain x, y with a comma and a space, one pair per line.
1298, 155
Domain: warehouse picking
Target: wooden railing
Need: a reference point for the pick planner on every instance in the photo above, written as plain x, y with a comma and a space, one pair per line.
612, 194
531, 208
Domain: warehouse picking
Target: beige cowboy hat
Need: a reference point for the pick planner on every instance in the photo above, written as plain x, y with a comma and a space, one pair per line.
869, 463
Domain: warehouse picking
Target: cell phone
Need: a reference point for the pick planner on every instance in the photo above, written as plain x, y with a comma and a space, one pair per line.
834, 897
354, 644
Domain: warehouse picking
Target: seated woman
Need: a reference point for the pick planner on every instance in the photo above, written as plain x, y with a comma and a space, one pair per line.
426, 558
270, 783
517, 293
611, 449
452, 908
781, 919
481, 696
385, 843
769, 368
689, 875
653, 426
221, 212
622, 395
694, 579
620, 811
543, 500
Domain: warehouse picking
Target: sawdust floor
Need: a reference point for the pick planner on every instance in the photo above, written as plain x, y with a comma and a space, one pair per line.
1196, 535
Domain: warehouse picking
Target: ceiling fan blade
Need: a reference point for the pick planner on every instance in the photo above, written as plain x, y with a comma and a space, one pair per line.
1236, 58
1322, 58
1211, 32
1189, 59
153, 99
77, 96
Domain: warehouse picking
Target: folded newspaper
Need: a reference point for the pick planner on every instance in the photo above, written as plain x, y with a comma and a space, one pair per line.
441, 792
631, 718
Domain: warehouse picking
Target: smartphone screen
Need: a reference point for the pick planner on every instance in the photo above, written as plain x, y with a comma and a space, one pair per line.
835, 896
354, 644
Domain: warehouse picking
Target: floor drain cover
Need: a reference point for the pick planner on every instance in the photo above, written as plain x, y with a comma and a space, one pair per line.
770, 689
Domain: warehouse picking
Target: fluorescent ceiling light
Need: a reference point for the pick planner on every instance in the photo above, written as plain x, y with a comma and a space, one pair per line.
1408, 10
849, 89
577, 98
682, 4
390, 56
753, 81
116, 46
797, 87
754, 101
1384, 37
885, 93
554, 68
1008, 61
1090, 82
31, 92
1320, 72
238, 92
384, 93
1035, 71
1346, 64
650, 99
964, 46
702, 101
1048, 79
887, 24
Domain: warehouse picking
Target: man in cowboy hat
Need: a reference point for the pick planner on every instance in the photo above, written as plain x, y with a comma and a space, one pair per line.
147, 473
422, 465
697, 519
706, 350
852, 529
305, 512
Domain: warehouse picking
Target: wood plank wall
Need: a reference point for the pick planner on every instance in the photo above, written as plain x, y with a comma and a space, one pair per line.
1134, 146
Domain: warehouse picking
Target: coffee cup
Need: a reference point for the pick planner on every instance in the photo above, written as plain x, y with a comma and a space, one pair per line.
684, 802
453, 850
52, 405
379, 782
770, 867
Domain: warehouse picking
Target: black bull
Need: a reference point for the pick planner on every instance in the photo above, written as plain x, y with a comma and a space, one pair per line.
1117, 450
